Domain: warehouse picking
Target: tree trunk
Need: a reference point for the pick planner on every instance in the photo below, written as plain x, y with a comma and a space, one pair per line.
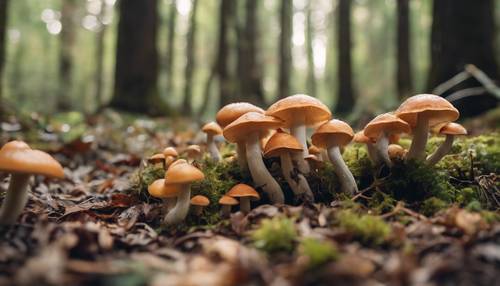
99, 55
463, 32
345, 99
136, 70
3, 29
190, 60
67, 43
404, 78
285, 48
226, 22
172, 15
311, 77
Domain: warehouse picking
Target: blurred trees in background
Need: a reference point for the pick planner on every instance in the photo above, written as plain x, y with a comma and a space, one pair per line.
3, 29
359, 56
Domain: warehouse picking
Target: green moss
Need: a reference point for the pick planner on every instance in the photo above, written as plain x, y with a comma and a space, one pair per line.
144, 177
474, 206
381, 203
432, 205
275, 234
467, 195
491, 216
368, 229
317, 251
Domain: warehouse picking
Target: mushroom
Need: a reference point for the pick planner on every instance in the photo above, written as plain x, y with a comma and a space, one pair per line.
380, 128
450, 130
360, 137
299, 111
249, 128
199, 202
181, 175
230, 113
331, 135
283, 145
167, 193
227, 202
193, 152
212, 129
158, 158
18, 159
420, 112
170, 155
396, 152
319, 153
314, 162
245, 193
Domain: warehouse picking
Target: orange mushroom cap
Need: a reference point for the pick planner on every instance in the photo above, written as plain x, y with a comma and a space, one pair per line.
250, 122
360, 137
396, 151
156, 158
158, 189
233, 111
387, 123
227, 200
314, 150
183, 173
332, 133
296, 106
281, 142
212, 128
436, 108
170, 151
453, 128
200, 200
243, 190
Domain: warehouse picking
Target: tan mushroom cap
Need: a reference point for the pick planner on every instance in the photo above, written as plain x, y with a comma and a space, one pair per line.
387, 123
212, 128
170, 151
183, 173
312, 158
453, 128
396, 151
360, 137
248, 123
233, 111
156, 158
243, 190
281, 142
158, 189
314, 150
200, 200
288, 109
435, 107
178, 161
228, 201
18, 157
332, 133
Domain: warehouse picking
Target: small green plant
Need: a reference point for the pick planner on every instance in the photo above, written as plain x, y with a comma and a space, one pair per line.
369, 229
432, 205
318, 252
275, 234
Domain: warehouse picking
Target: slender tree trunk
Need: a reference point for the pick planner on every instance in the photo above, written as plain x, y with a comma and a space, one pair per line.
311, 77
136, 70
345, 100
207, 92
172, 16
3, 29
285, 48
191, 60
67, 43
99, 55
463, 32
226, 21
404, 77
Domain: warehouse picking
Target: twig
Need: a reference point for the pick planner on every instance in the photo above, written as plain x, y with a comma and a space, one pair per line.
473, 91
484, 80
442, 88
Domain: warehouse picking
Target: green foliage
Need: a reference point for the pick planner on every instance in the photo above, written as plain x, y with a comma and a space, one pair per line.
317, 251
474, 206
369, 229
142, 178
432, 205
275, 234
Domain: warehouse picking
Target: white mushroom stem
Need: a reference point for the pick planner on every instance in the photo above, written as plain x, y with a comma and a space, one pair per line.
15, 199
420, 134
442, 151
212, 148
197, 210
298, 182
381, 148
299, 132
181, 209
225, 210
323, 155
242, 156
347, 182
245, 205
372, 153
259, 172
169, 203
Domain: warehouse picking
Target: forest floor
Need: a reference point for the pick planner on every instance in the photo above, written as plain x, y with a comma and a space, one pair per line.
413, 225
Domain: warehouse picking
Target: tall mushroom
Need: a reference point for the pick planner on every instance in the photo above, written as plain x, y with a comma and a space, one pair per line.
167, 193
361, 138
18, 159
181, 175
380, 129
249, 128
299, 111
229, 113
283, 145
212, 129
331, 136
420, 112
450, 130
245, 193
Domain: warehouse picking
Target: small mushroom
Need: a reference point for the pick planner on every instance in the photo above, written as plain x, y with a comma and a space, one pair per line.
450, 130
245, 193
167, 193
18, 159
360, 137
199, 202
181, 175
227, 202
299, 111
396, 152
158, 158
283, 145
230, 113
193, 152
318, 152
314, 162
249, 128
420, 112
212, 129
380, 128
170, 155
331, 135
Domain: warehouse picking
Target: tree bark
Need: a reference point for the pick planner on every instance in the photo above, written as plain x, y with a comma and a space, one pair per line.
311, 76
67, 43
136, 69
345, 99
404, 76
285, 48
463, 32
169, 62
226, 21
191, 60
3, 30
99, 55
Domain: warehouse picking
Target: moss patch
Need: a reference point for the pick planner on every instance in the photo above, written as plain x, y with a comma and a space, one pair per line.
318, 252
275, 234
368, 229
